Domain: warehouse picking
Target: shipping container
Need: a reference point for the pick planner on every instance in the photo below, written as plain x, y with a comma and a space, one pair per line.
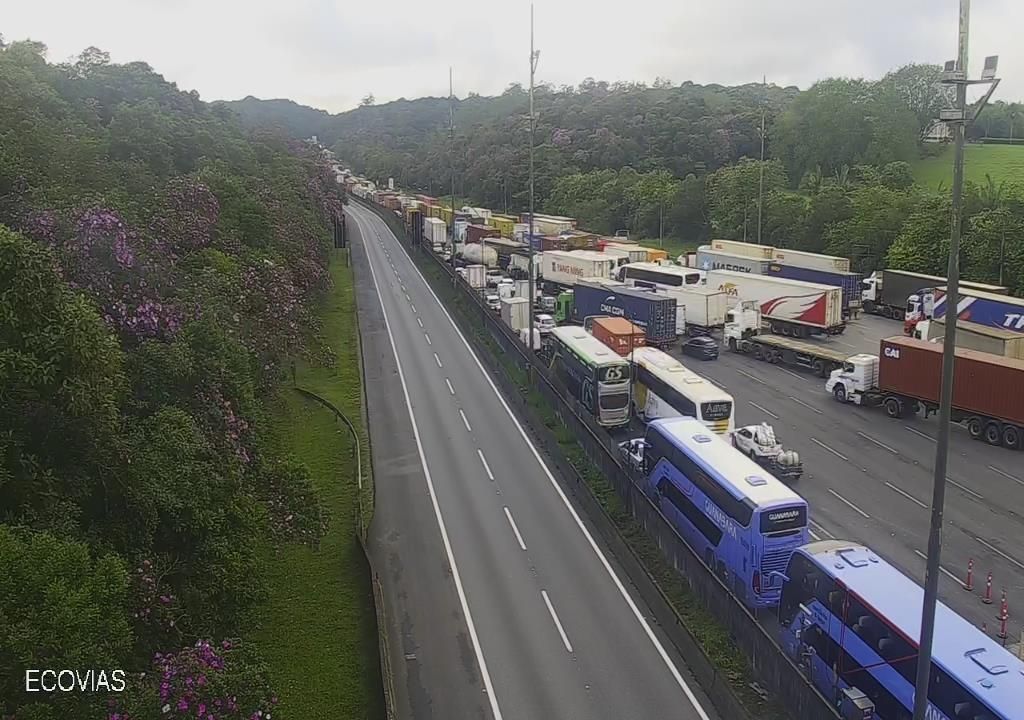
523, 288
519, 265
474, 233
849, 283
708, 259
743, 249
983, 384
982, 338
887, 292
619, 334
504, 224
656, 255
515, 312
565, 268
791, 307
811, 261
635, 253
434, 232
476, 276
704, 307
656, 314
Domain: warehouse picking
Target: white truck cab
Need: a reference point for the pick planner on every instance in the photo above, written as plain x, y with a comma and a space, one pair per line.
858, 375
742, 322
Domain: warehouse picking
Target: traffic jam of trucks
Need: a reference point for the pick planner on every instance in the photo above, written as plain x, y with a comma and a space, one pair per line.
612, 320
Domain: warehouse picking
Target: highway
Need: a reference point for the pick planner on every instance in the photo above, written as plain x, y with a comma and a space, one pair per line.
526, 615
869, 478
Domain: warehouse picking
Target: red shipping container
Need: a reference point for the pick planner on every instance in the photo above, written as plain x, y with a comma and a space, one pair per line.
983, 384
615, 332
474, 233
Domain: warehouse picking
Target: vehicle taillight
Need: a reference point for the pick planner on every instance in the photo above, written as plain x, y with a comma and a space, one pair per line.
757, 582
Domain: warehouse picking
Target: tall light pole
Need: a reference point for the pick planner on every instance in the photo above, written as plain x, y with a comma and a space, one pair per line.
760, 180
451, 145
534, 55
955, 74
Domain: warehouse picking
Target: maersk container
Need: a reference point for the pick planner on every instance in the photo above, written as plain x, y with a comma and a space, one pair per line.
848, 282
983, 308
812, 261
656, 314
791, 306
983, 384
708, 259
736, 247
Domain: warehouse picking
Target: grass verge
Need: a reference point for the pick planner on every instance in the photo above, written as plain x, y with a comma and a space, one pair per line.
710, 635
1001, 162
318, 631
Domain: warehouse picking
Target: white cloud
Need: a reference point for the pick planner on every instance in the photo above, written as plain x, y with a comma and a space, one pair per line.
330, 53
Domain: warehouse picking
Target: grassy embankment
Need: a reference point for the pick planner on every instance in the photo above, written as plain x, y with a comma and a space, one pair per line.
1001, 162
318, 630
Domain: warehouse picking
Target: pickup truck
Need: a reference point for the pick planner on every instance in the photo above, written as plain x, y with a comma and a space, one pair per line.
760, 444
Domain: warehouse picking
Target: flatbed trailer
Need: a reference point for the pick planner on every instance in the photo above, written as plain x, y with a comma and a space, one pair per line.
776, 349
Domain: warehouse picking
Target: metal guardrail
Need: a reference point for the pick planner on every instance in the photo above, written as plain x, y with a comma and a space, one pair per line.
770, 664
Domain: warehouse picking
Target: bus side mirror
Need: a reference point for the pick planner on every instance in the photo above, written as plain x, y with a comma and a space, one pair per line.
776, 574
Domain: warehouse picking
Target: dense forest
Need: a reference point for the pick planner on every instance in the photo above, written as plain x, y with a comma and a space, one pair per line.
158, 265
682, 162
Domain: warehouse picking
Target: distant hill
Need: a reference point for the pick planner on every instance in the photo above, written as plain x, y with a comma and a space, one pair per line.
297, 120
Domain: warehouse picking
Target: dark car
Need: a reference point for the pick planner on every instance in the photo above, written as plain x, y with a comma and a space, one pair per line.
702, 347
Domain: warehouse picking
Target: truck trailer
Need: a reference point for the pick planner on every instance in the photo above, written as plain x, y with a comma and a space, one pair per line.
619, 334
656, 314
434, 233
790, 307
812, 261
975, 337
850, 283
515, 312
704, 308
906, 376
743, 334
977, 306
745, 249
888, 292
708, 259
563, 268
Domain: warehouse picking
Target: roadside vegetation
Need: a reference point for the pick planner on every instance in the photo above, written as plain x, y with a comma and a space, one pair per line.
160, 270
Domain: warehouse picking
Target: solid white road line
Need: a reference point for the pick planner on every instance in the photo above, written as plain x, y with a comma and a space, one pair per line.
483, 461
834, 452
798, 401
655, 642
519, 538
848, 503
926, 436
465, 421
907, 495
1005, 475
879, 443
450, 388
438, 360
765, 410
463, 601
999, 552
948, 574
427, 336
558, 623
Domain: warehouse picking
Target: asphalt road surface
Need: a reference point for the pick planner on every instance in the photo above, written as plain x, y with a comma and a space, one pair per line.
868, 478
530, 616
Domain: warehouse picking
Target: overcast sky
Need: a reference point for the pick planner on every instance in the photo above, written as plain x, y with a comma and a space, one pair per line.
331, 53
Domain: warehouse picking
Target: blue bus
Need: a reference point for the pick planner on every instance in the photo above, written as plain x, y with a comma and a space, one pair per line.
852, 620
744, 522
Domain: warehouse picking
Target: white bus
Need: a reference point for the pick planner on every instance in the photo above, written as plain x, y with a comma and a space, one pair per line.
648, 274
595, 374
663, 387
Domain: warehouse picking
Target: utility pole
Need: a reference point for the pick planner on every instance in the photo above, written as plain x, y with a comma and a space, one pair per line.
956, 74
661, 222
760, 182
451, 146
534, 55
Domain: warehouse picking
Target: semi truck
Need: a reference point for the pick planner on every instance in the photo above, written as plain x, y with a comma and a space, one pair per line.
850, 283
812, 261
790, 307
563, 268
974, 337
977, 306
906, 375
737, 247
476, 254
515, 312
656, 314
434, 232
889, 292
743, 334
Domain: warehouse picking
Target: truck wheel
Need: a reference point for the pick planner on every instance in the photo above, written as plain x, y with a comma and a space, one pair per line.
894, 407
839, 393
818, 367
732, 345
886, 311
1012, 437
758, 352
975, 428
993, 433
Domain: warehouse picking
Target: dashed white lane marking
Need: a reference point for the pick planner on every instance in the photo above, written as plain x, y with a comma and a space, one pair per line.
841, 498
879, 443
764, 410
420, 322
926, 436
999, 552
905, 494
798, 401
427, 336
1005, 475
752, 377
948, 574
558, 623
822, 530
483, 461
966, 489
450, 388
519, 538
465, 421
834, 452
438, 360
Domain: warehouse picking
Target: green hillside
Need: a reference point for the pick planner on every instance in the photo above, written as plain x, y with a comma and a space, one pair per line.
1002, 162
